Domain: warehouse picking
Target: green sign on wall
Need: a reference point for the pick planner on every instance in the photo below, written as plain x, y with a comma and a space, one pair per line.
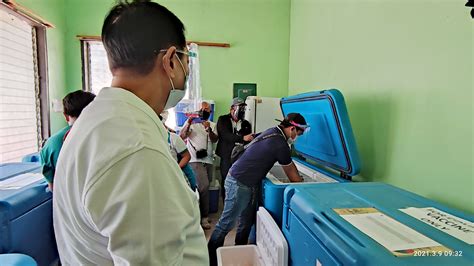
242, 90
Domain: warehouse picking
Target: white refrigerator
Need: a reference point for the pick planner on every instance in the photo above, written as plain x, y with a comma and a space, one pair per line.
261, 112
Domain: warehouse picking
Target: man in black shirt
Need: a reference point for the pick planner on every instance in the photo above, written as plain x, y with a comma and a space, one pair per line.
246, 174
231, 128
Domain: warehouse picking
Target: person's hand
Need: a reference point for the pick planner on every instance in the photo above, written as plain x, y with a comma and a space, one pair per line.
50, 186
206, 124
248, 137
190, 119
301, 178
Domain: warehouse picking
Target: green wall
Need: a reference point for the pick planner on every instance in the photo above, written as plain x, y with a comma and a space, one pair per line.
258, 31
405, 68
53, 11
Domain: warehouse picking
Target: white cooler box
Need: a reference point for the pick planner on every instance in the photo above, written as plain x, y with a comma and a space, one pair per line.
271, 248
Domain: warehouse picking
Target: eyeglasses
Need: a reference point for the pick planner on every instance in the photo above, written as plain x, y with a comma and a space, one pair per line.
299, 127
188, 53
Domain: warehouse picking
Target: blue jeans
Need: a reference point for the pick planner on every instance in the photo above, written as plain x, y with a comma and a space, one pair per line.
240, 205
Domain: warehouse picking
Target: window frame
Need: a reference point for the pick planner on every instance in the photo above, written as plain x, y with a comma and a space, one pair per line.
85, 65
86, 61
41, 72
42, 53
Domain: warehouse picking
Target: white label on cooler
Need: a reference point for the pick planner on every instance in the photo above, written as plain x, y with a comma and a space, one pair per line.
387, 231
20, 181
449, 224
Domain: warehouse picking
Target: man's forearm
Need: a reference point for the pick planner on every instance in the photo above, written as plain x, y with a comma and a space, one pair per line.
213, 136
185, 131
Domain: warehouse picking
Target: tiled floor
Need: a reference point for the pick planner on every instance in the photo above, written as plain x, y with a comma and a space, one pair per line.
229, 240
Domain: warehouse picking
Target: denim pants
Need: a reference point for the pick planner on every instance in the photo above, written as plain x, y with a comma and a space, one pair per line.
225, 166
203, 173
240, 205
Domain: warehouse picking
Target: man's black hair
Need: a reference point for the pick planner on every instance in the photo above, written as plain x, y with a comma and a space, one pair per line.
293, 117
74, 102
134, 32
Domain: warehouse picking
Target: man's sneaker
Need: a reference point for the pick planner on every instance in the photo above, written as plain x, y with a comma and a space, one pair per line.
205, 223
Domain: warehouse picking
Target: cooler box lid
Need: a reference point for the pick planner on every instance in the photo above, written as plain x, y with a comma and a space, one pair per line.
329, 141
316, 206
16, 202
8, 170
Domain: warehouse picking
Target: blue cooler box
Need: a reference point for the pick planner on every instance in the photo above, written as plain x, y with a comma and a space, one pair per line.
326, 152
8, 170
15, 259
26, 216
317, 235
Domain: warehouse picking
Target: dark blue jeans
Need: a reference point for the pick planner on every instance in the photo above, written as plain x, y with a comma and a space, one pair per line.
240, 205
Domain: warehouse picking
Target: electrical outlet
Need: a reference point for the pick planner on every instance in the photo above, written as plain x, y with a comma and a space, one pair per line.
57, 106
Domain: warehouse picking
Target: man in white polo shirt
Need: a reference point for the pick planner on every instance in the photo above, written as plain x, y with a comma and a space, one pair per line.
120, 198
199, 134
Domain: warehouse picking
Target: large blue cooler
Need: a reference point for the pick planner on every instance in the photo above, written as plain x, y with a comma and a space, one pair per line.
15, 259
8, 170
325, 153
26, 216
317, 233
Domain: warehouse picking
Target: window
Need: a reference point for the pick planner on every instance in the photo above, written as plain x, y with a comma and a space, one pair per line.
95, 66
24, 114
96, 73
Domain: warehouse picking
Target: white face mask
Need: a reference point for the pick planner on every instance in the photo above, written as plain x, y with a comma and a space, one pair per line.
176, 95
174, 98
291, 140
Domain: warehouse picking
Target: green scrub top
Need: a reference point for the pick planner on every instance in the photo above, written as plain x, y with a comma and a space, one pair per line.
50, 153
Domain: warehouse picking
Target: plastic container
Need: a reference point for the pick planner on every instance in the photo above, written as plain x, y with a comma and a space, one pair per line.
26, 217
8, 170
16, 259
247, 255
271, 248
316, 233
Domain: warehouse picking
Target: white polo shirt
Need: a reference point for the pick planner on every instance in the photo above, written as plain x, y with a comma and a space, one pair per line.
119, 196
176, 145
198, 138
